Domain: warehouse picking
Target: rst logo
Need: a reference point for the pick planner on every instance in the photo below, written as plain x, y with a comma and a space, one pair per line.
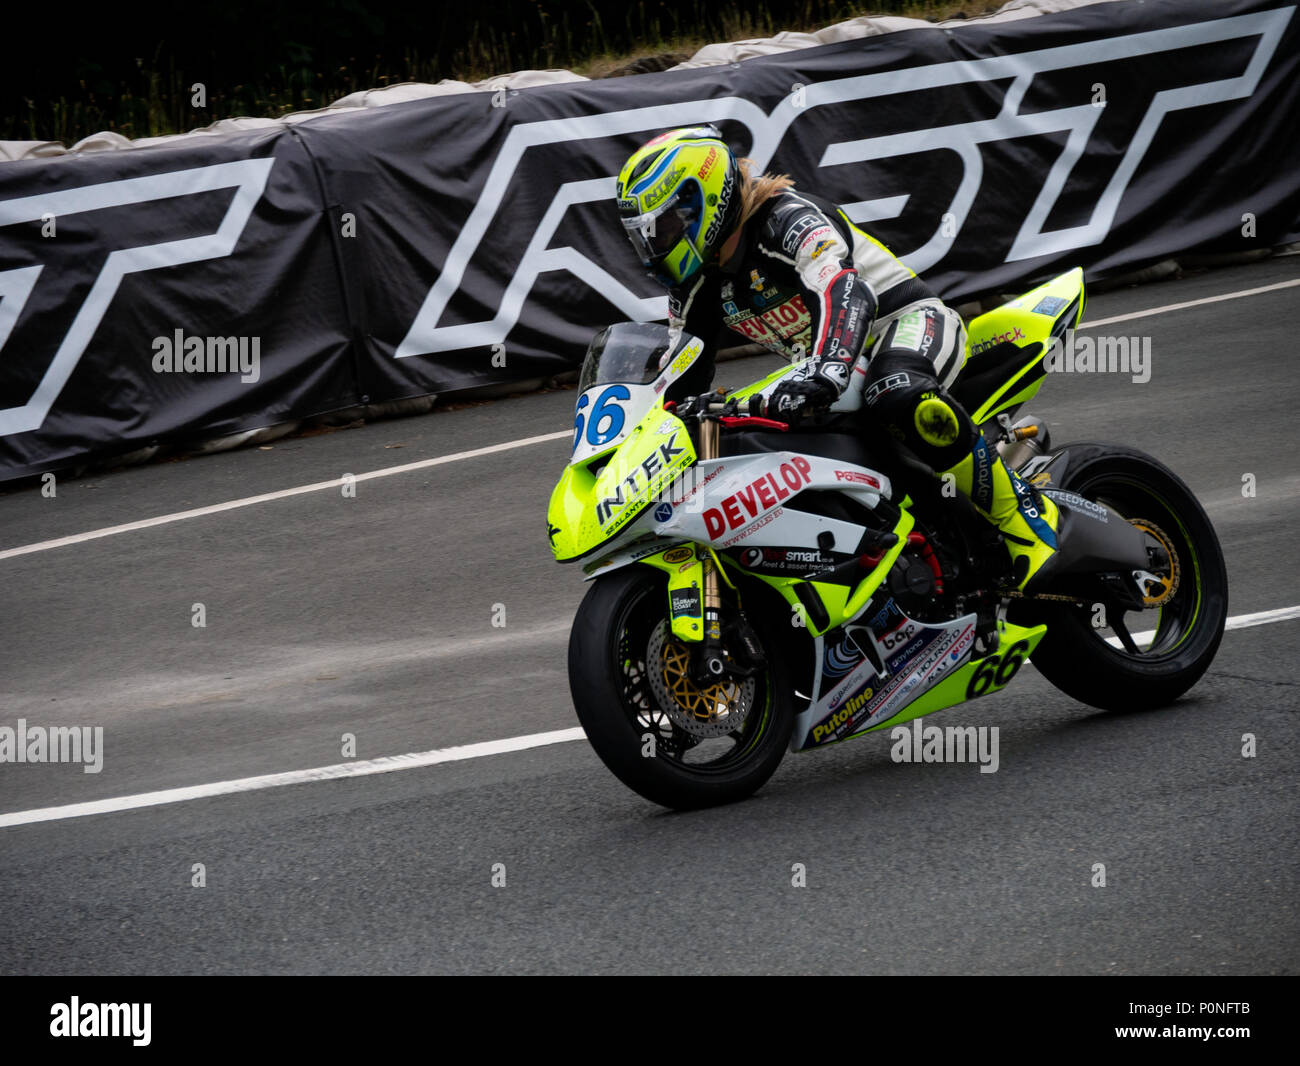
1211, 62
247, 177
972, 146
758, 497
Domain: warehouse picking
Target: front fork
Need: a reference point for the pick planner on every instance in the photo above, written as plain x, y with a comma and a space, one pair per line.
710, 658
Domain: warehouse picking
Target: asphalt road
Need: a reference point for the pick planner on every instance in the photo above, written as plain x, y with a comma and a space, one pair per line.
373, 616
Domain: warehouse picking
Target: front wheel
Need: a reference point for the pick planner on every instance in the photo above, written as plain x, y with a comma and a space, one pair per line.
664, 736
1109, 655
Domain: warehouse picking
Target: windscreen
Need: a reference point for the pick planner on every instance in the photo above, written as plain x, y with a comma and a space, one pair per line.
628, 353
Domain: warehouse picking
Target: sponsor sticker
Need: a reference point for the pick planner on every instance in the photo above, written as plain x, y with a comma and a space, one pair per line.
857, 477
878, 388
997, 338
886, 619
676, 555
1077, 503
684, 360
798, 230
754, 527
841, 658
615, 510
1049, 305
788, 560
662, 189
685, 603
707, 165
760, 495
907, 333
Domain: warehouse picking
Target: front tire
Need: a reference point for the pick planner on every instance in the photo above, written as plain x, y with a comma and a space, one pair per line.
659, 752
1076, 655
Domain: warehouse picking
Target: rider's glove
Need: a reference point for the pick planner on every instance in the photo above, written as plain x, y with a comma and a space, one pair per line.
693, 406
793, 400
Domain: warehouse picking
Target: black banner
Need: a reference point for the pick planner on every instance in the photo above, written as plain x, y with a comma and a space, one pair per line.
189, 291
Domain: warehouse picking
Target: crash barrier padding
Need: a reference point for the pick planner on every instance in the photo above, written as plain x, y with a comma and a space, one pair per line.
215, 285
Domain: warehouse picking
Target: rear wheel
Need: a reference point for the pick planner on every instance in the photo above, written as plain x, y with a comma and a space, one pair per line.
1108, 654
668, 738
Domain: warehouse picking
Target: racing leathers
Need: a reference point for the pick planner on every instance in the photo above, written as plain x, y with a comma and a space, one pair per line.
867, 334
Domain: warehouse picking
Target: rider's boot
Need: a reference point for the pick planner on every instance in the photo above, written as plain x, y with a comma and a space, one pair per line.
925, 417
1028, 520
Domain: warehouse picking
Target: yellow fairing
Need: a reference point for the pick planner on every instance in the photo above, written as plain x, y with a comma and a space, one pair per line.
684, 565
587, 509
1029, 322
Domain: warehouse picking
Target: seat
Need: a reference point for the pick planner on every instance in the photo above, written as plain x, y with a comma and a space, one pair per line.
984, 374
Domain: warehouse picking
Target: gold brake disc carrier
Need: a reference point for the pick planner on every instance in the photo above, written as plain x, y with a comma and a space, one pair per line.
712, 711
1169, 585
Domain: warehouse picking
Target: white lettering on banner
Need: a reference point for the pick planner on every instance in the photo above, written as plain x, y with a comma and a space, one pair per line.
248, 178
768, 129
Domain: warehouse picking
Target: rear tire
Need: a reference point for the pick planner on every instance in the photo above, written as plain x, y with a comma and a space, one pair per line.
1074, 655
608, 678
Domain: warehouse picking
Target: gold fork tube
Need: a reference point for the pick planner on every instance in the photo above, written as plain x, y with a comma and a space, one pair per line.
709, 448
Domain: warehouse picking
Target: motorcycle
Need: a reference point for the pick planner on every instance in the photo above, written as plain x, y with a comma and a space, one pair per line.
759, 587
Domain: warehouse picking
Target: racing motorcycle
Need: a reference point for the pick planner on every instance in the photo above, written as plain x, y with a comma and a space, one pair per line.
758, 587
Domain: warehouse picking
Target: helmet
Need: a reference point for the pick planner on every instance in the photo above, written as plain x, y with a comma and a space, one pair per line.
679, 198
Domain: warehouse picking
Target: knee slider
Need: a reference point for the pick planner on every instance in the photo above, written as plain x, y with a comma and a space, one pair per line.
935, 421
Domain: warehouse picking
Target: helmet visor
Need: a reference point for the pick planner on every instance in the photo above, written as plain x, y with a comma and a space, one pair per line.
656, 233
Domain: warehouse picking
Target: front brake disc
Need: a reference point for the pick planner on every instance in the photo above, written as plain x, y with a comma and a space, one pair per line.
712, 711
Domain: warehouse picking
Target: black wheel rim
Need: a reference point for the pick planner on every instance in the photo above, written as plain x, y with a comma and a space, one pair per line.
639, 616
1155, 634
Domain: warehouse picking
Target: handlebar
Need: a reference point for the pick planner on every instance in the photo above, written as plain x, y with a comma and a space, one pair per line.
726, 413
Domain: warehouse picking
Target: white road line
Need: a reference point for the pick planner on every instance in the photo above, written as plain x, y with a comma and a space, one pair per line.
389, 471
1190, 303
388, 763
248, 501
1241, 621
385, 764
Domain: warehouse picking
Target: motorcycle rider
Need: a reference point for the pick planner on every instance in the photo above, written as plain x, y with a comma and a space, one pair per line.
789, 270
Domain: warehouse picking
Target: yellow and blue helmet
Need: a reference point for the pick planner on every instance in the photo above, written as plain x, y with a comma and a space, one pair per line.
679, 198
